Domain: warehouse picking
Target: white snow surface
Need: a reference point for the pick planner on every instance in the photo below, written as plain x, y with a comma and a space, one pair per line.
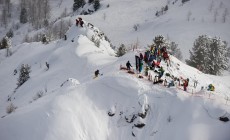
75, 106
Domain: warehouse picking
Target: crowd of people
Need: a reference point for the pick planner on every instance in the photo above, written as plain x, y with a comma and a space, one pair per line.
152, 61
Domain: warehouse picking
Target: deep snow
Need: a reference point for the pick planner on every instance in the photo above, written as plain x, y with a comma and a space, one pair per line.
76, 106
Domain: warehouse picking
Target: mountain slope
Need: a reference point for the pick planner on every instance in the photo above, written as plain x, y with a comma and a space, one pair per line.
76, 106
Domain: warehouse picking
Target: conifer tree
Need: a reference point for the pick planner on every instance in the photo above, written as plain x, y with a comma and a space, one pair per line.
183, 1
78, 4
24, 74
10, 33
121, 51
218, 59
5, 43
96, 5
198, 53
209, 54
90, 1
23, 16
174, 50
159, 40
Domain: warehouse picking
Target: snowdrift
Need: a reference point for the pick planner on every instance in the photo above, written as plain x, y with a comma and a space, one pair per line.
115, 105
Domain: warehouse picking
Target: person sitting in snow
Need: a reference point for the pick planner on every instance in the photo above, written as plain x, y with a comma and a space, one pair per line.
157, 80
128, 65
211, 87
96, 73
161, 72
171, 83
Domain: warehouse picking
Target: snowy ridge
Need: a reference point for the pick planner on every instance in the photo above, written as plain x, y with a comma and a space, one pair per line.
88, 30
113, 106
78, 107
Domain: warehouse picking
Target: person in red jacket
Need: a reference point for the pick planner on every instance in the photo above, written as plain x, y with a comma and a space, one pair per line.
165, 56
185, 84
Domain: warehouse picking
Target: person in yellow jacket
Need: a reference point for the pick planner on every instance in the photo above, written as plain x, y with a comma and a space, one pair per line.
211, 87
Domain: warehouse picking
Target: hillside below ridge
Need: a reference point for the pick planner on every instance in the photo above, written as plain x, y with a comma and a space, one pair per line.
76, 106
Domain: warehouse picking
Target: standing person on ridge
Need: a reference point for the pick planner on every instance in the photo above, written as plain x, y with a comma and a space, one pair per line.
185, 84
128, 65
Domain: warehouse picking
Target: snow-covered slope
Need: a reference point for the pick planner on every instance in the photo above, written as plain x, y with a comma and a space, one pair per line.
118, 20
118, 17
76, 106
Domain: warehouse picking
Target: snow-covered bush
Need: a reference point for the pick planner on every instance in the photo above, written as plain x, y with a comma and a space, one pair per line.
78, 4
11, 108
121, 50
96, 5
5, 43
10, 33
95, 40
183, 1
175, 51
38, 95
24, 74
23, 16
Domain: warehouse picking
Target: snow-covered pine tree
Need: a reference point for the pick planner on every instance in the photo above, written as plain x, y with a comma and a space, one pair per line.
159, 40
8, 47
199, 53
23, 16
10, 33
78, 4
174, 50
24, 74
228, 52
90, 1
217, 56
5, 43
121, 50
209, 54
183, 1
96, 5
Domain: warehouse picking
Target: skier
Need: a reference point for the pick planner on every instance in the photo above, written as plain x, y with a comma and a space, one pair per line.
48, 66
128, 65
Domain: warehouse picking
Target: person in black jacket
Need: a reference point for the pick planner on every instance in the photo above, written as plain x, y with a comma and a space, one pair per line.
97, 73
128, 65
